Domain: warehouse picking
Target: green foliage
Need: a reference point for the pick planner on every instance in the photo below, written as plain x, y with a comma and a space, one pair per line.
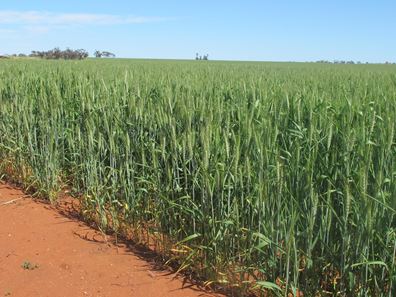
274, 175
29, 266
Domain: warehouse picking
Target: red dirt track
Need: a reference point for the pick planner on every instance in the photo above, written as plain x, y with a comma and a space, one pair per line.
73, 259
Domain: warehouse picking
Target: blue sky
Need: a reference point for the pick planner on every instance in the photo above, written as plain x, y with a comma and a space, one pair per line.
282, 30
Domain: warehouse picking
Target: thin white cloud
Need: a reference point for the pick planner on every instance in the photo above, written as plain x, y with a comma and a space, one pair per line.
36, 29
10, 17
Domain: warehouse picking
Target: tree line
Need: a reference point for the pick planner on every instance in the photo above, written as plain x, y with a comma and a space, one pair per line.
67, 54
347, 62
57, 53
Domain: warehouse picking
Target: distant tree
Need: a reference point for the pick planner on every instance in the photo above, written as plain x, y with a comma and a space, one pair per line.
37, 54
199, 57
105, 54
108, 54
98, 54
82, 54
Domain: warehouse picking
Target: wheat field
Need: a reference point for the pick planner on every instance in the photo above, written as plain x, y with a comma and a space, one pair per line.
269, 178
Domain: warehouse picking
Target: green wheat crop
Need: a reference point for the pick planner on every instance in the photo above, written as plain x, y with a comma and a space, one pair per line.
255, 176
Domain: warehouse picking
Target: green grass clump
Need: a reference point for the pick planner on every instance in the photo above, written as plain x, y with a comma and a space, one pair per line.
255, 176
29, 266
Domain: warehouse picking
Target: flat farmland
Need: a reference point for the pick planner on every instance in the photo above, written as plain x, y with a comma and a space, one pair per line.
261, 178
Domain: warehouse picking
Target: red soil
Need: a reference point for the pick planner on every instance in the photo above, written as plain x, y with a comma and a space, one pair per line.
72, 259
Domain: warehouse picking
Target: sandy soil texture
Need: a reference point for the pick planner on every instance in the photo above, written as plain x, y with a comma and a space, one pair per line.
44, 252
